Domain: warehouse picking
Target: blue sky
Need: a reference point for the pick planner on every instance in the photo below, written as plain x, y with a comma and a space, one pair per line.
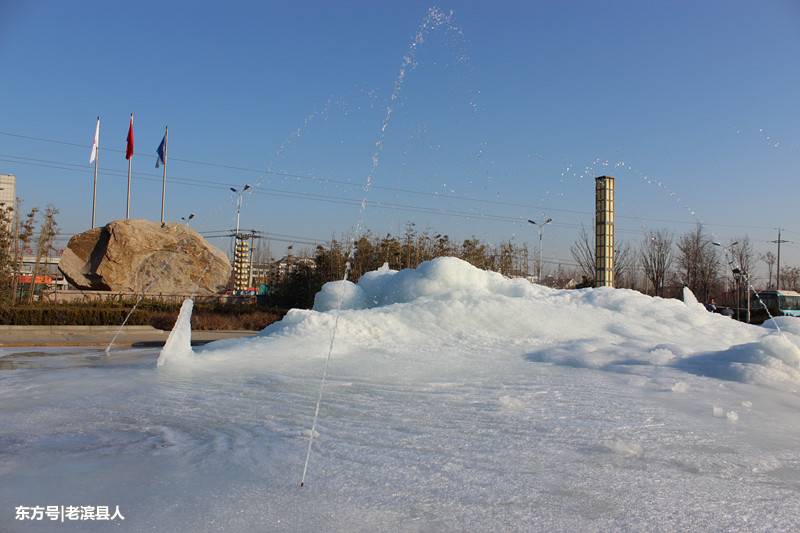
510, 109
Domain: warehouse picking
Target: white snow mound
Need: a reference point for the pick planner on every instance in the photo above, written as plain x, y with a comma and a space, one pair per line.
444, 277
448, 319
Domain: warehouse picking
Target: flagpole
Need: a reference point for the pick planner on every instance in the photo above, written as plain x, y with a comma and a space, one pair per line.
128, 205
96, 162
164, 178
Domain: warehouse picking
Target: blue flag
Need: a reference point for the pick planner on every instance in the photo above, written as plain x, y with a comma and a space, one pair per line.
162, 152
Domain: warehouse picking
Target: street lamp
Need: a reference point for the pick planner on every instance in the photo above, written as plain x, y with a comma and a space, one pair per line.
540, 226
188, 219
738, 274
239, 203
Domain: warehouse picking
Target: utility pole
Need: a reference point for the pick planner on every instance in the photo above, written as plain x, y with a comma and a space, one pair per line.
778, 274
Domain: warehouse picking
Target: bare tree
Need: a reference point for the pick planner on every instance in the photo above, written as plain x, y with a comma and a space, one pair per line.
790, 278
6, 251
582, 251
624, 266
698, 262
742, 254
505, 259
24, 236
477, 253
47, 234
769, 260
739, 255
655, 256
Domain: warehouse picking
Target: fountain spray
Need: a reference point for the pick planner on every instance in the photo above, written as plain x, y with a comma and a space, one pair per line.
434, 19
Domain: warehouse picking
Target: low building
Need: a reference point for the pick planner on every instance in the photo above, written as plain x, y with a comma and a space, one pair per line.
290, 263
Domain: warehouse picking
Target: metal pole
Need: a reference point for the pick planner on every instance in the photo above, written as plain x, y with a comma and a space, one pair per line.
739, 297
94, 191
250, 265
238, 209
128, 204
778, 276
94, 185
747, 292
539, 274
164, 178
540, 227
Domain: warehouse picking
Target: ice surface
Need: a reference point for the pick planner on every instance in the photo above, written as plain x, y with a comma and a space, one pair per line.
457, 400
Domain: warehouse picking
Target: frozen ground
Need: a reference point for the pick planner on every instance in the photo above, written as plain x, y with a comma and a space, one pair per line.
457, 400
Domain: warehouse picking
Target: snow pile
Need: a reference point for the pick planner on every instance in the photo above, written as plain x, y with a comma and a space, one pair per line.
787, 324
447, 318
340, 295
442, 278
772, 359
691, 301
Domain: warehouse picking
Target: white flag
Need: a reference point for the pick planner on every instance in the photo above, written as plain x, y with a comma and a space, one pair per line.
95, 143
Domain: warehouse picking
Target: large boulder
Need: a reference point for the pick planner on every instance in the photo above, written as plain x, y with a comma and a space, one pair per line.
143, 256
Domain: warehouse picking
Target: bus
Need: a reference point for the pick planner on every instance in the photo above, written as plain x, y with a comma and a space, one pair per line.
779, 303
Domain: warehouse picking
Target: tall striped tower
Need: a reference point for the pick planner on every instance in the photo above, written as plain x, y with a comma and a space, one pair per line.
242, 262
604, 232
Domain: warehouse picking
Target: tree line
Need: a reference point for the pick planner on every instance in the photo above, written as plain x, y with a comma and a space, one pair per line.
660, 264
663, 263
32, 234
297, 285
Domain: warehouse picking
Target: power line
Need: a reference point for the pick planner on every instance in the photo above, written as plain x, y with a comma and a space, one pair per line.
273, 192
266, 191
350, 183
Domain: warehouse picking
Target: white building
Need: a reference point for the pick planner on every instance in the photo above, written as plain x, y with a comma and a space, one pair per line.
8, 190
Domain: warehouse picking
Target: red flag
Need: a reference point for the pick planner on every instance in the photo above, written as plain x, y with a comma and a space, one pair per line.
129, 151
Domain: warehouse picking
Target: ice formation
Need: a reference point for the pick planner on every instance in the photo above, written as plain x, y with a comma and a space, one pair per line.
179, 343
449, 315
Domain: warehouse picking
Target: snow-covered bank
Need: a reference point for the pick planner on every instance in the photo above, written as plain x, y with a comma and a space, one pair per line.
457, 400
451, 317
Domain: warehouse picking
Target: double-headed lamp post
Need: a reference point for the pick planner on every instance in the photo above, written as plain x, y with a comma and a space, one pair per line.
738, 273
239, 203
540, 226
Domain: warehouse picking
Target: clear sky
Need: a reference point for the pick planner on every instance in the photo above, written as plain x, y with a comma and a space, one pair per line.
507, 114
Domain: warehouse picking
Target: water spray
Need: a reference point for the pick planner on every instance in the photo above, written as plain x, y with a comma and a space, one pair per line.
119, 330
434, 19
